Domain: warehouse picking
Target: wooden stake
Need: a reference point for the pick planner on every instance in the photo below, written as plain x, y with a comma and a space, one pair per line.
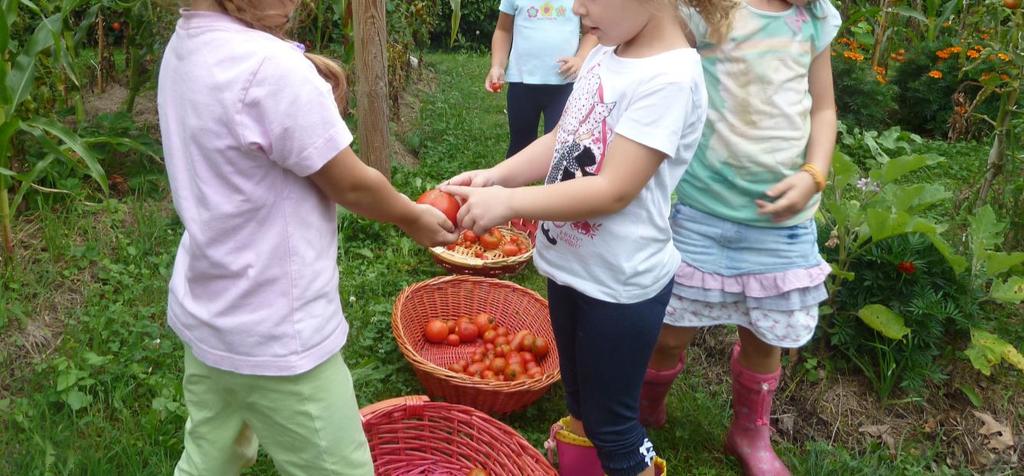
372, 83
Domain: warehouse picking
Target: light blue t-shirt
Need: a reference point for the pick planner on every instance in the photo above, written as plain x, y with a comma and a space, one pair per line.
544, 31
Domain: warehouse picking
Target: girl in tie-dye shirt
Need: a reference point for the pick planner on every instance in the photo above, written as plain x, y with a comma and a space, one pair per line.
743, 220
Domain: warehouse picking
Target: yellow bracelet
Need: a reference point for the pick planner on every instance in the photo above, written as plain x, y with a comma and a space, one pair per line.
815, 174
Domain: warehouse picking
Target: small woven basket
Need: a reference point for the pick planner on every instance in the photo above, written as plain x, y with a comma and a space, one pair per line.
450, 297
412, 436
464, 260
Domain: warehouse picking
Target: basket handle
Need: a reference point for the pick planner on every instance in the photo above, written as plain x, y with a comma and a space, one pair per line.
412, 403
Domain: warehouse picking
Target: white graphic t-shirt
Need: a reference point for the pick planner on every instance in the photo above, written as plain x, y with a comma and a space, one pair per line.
658, 101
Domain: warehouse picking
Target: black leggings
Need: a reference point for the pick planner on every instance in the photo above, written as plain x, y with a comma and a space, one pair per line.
603, 351
526, 102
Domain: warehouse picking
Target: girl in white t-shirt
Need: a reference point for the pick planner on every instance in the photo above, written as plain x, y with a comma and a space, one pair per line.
605, 243
258, 157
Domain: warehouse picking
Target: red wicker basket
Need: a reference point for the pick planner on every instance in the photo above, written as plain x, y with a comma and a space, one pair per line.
449, 297
412, 436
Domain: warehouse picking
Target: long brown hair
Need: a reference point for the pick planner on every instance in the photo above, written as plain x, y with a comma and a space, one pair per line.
276, 24
718, 14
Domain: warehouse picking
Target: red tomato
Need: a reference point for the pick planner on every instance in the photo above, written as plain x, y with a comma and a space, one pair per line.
513, 371
527, 343
468, 332
499, 351
490, 241
536, 372
540, 347
513, 357
531, 365
501, 330
457, 368
480, 255
436, 331
469, 237
498, 364
483, 321
116, 26
510, 249
453, 340
517, 341
527, 357
490, 347
441, 201
478, 472
500, 340
462, 363
451, 326
489, 336
475, 369
1011, 4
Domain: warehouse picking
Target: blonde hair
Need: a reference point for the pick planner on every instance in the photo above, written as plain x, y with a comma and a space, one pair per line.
276, 24
718, 15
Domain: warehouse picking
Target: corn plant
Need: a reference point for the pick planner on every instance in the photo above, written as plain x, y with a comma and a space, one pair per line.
17, 82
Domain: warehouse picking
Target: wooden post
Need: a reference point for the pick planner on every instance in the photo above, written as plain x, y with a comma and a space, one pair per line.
372, 83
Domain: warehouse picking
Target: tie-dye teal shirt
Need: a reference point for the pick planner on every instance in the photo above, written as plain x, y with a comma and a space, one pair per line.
759, 117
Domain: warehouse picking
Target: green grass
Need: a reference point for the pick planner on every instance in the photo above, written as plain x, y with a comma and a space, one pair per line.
105, 398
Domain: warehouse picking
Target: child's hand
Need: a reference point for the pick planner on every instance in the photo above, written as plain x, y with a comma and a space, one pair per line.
473, 178
429, 227
791, 196
496, 76
482, 207
569, 67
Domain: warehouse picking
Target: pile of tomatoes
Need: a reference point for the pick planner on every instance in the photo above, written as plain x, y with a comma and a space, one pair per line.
488, 245
499, 355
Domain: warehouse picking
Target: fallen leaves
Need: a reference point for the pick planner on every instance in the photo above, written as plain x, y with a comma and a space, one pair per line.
1000, 436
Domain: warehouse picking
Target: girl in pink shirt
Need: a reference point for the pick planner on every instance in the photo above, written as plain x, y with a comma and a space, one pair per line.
258, 157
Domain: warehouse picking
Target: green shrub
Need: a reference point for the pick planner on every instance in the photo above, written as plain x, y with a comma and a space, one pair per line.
925, 102
475, 27
863, 97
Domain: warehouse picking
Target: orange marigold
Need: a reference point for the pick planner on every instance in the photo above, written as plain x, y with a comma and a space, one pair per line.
944, 54
1004, 56
935, 74
879, 69
986, 75
881, 79
955, 49
984, 36
853, 55
978, 47
1004, 77
972, 54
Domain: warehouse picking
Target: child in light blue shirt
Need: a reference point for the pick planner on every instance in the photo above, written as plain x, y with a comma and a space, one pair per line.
537, 49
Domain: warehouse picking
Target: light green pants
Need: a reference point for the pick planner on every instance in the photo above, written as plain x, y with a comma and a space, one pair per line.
308, 423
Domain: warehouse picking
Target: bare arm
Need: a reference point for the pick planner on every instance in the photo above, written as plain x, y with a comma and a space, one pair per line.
349, 182
627, 168
793, 192
501, 46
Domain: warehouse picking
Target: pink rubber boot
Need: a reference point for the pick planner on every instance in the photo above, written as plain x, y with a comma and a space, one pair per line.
652, 395
749, 437
576, 454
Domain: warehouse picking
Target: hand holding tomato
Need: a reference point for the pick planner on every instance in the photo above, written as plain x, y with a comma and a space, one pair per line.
482, 207
474, 178
428, 226
441, 201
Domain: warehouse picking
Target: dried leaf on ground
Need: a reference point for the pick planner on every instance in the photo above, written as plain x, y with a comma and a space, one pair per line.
1000, 435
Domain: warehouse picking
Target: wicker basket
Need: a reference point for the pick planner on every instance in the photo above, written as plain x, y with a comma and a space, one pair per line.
449, 297
464, 260
412, 436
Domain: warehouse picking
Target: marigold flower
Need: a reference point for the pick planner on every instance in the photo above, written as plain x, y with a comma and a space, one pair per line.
1004, 77
906, 267
879, 69
1004, 56
944, 54
853, 55
972, 54
984, 36
935, 74
881, 79
955, 49
986, 75
978, 47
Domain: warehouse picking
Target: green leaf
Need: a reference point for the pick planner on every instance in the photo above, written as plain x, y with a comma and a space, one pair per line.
998, 263
72, 140
20, 81
66, 379
910, 12
77, 400
957, 262
988, 350
1010, 291
7, 172
42, 38
986, 230
971, 395
86, 23
883, 320
918, 197
900, 166
844, 171
846, 275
